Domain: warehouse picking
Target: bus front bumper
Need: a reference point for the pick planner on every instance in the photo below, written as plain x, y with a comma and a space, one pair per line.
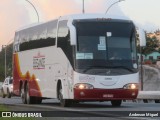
105, 94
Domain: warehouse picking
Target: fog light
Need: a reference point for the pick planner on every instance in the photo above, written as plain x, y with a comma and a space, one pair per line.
82, 94
133, 94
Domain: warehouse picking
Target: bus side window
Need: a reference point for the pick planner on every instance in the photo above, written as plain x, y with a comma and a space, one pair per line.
16, 47
63, 34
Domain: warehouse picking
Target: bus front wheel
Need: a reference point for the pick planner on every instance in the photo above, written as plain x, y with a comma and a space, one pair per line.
116, 103
63, 102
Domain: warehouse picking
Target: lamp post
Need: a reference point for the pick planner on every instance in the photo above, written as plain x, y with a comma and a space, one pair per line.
5, 46
83, 11
141, 68
5, 57
113, 4
34, 9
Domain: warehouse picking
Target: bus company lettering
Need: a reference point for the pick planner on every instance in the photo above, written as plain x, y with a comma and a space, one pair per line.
87, 78
39, 61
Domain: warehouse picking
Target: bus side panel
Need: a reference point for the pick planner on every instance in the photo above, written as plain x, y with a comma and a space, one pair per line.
16, 72
19, 76
43, 79
63, 72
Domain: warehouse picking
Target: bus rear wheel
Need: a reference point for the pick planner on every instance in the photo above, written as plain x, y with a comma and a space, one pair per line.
23, 94
37, 100
26, 98
63, 102
116, 103
31, 99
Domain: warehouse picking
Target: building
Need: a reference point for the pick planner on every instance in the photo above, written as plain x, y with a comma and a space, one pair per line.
153, 56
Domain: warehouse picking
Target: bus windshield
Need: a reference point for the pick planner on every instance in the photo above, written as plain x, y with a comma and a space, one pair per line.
106, 45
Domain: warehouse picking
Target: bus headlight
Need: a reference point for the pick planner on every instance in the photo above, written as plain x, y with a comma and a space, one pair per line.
132, 86
83, 86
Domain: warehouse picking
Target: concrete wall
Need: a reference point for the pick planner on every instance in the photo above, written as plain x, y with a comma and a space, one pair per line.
151, 78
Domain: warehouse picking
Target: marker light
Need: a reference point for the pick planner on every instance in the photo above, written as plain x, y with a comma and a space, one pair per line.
132, 86
83, 86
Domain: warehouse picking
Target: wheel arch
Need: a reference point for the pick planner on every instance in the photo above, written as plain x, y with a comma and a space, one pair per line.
58, 86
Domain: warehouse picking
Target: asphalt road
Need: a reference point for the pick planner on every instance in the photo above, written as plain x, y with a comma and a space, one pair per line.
86, 110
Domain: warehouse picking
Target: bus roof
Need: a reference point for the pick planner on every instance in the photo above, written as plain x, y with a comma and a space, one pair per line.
93, 16
78, 16
41, 30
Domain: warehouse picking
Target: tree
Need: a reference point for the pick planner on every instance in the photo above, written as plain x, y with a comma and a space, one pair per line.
9, 51
152, 45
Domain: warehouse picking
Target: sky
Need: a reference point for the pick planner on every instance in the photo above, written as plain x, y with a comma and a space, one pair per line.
15, 14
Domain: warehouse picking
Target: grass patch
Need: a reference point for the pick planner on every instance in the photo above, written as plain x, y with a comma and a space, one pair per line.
4, 108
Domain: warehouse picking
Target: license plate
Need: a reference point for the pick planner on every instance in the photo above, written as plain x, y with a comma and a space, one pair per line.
108, 95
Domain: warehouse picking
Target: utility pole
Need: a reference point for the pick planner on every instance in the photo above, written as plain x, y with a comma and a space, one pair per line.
5, 62
83, 11
141, 68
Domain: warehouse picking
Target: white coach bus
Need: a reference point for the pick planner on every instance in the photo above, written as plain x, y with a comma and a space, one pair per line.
77, 58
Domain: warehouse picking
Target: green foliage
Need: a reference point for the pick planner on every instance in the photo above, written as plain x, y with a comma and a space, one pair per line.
9, 51
3, 108
152, 45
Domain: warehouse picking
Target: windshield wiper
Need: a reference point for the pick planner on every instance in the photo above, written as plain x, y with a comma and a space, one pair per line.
124, 67
104, 67
91, 67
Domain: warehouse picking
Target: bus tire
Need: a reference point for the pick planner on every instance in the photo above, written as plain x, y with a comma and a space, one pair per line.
145, 100
157, 101
22, 94
63, 102
116, 103
29, 99
37, 100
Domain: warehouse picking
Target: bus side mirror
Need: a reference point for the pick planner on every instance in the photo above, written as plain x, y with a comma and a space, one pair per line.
73, 36
142, 37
